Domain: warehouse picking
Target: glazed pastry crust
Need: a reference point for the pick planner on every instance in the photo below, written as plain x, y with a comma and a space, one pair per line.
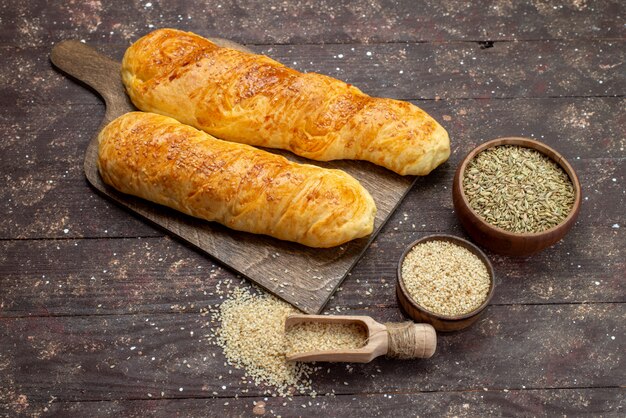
159, 159
255, 100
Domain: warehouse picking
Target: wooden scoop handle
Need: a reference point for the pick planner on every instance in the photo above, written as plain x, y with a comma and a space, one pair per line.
408, 340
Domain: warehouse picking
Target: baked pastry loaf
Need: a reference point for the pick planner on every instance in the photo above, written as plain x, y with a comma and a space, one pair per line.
159, 159
255, 100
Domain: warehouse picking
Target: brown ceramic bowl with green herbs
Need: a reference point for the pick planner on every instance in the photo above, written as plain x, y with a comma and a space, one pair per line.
450, 262
511, 216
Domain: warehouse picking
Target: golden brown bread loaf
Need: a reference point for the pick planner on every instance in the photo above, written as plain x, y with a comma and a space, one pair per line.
255, 100
159, 159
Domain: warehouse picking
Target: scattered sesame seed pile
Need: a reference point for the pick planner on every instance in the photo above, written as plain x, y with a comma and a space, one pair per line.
445, 278
315, 336
252, 334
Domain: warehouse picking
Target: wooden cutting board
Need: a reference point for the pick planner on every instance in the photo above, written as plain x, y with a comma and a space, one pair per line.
305, 277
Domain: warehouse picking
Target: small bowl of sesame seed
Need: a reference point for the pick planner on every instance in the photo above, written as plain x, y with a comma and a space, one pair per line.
516, 196
445, 281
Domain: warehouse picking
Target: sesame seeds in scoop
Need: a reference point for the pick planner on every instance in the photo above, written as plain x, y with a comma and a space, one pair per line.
316, 336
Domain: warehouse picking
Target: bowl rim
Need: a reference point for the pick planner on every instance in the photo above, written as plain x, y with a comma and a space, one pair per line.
537, 146
465, 244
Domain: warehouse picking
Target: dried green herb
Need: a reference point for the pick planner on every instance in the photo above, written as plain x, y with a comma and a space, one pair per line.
518, 189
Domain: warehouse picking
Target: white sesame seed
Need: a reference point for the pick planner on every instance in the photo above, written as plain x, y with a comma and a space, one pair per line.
445, 278
314, 336
253, 338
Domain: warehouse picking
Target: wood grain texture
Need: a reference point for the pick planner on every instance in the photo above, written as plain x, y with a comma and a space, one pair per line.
498, 402
127, 357
313, 273
158, 275
307, 21
399, 70
76, 272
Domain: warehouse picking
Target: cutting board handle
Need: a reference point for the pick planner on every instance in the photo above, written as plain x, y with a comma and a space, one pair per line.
94, 69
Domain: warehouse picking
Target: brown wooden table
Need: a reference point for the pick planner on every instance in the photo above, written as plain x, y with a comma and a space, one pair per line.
97, 308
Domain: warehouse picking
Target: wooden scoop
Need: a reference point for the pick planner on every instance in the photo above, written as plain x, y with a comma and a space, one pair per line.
401, 340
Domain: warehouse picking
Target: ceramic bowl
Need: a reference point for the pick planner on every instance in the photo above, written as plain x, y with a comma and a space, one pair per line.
497, 239
442, 322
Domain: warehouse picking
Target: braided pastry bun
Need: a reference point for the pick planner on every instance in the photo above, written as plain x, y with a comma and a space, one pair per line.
159, 159
255, 100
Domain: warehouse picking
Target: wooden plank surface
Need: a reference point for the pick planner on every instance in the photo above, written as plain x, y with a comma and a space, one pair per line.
368, 21
101, 276
406, 71
535, 402
81, 282
128, 356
